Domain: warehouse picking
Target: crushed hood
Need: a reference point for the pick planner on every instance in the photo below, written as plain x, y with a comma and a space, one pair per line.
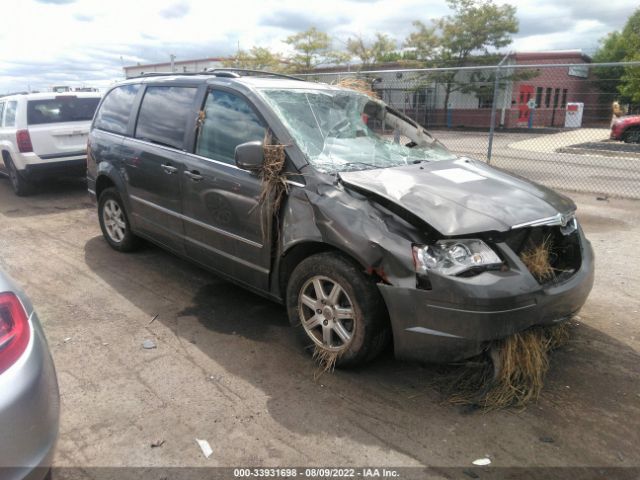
462, 196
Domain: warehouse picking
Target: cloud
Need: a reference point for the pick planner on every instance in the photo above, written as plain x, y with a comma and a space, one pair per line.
83, 18
299, 21
177, 10
88, 41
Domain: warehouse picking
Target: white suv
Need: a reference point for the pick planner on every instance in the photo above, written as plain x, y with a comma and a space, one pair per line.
44, 134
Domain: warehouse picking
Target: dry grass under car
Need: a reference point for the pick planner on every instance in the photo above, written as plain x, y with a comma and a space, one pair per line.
514, 373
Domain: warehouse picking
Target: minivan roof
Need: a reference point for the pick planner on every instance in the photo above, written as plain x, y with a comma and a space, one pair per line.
250, 81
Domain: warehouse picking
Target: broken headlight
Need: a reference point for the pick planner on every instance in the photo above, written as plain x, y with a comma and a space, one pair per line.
452, 257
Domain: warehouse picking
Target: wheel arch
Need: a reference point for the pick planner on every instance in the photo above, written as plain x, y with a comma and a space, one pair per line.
103, 182
296, 253
108, 177
629, 130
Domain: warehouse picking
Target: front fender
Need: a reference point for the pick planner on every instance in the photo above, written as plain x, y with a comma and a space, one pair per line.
377, 239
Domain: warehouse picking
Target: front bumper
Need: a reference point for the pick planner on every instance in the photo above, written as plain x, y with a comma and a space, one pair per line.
459, 316
29, 411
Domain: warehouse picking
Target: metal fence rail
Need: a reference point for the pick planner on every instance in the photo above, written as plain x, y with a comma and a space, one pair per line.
550, 123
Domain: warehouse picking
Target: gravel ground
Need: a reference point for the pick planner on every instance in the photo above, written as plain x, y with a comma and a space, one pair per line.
227, 367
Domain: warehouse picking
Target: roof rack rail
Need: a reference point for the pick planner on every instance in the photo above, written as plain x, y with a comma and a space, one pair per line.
178, 74
254, 72
219, 72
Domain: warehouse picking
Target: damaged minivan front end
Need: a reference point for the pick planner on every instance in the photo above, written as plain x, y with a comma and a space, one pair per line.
472, 285
446, 238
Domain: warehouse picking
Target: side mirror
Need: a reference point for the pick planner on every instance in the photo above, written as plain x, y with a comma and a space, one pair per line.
250, 156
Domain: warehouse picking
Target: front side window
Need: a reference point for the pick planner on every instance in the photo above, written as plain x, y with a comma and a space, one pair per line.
340, 130
10, 114
1, 112
228, 122
64, 108
164, 113
113, 115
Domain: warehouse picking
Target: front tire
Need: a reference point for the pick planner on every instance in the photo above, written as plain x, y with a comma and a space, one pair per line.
114, 222
337, 309
20, 185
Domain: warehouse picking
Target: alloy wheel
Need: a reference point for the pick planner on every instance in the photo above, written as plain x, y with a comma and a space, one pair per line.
114, 220
326, 313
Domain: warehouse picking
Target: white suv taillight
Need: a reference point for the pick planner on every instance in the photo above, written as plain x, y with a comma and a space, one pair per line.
24, 141
14, 330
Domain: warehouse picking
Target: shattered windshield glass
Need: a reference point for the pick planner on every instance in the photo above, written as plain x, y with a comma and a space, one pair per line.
342, 130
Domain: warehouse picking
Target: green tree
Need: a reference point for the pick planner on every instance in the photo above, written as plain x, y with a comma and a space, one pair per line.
475, 30
621, 46
376, 51
630, 86
258, 58
311, 49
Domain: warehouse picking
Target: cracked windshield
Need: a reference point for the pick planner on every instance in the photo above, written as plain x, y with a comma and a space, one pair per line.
343, 131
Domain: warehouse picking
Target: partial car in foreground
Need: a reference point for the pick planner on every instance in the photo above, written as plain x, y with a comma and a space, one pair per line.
29, 399
338, 206
44, 135
627, 129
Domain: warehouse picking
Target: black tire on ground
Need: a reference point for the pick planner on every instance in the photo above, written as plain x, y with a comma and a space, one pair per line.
632, 135
114, 222
21, 186
368, 327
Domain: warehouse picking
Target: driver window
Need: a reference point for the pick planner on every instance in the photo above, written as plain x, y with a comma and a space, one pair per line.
228, 122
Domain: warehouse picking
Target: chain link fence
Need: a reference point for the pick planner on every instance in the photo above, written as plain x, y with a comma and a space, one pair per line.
551, 123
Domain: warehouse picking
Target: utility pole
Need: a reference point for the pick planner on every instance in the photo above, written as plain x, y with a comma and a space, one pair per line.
173, 58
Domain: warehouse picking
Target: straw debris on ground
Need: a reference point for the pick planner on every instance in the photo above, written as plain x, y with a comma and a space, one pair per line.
515, 373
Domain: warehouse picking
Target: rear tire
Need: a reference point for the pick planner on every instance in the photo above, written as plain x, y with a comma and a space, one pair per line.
114, 222
337, 308
632, 135
21, 186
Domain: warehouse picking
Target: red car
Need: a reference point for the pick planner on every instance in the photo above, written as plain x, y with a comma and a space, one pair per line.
627, 129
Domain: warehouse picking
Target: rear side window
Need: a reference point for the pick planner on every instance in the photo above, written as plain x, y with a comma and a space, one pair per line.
229, 121
164, 113
115, 110
10, 114
64, 108
1, 112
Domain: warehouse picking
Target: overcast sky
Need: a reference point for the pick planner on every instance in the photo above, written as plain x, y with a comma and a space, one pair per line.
56, 42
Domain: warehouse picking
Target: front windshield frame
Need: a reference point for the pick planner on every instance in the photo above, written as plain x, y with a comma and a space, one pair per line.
341, 130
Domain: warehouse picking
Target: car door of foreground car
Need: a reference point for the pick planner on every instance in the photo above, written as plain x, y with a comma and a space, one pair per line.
154, 162
220, 201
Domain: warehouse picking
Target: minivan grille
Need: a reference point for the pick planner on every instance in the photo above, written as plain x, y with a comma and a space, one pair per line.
564, 253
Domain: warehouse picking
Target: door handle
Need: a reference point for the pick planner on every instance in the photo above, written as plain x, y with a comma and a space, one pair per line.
193, 175
170, 169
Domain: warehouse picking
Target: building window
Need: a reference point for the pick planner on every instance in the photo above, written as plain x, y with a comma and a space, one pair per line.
547, 98
564, 98
538, 97
556, 98
485, 99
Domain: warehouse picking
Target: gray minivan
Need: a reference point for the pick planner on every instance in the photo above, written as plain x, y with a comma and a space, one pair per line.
382, 233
